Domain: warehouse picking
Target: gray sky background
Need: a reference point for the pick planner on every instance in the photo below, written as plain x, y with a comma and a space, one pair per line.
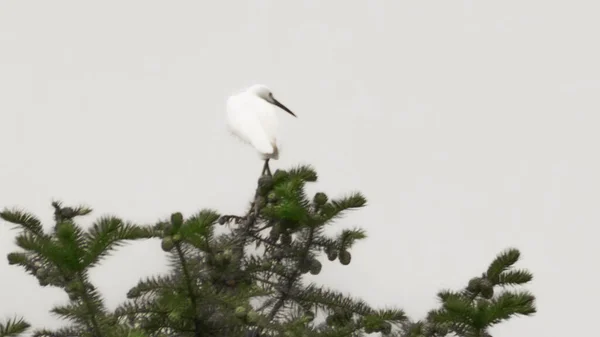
469, 125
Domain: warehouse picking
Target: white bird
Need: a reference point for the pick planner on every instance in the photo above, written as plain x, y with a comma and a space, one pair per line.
251, 116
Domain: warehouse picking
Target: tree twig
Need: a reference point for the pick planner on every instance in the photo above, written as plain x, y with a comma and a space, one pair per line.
188, 281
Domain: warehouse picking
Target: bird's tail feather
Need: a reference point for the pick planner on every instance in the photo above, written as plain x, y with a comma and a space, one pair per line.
275, 154
271, 152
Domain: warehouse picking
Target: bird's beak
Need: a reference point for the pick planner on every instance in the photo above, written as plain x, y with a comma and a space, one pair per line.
276, 102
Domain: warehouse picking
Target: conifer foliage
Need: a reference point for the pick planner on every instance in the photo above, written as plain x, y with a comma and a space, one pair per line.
483, 303
62, 258
243, 275
249, 279
13, 327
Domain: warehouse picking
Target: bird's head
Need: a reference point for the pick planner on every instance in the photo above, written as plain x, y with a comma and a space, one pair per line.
262, 91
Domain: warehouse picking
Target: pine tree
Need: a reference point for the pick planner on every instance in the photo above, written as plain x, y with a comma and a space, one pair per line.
63, 257
249, 280
246, 278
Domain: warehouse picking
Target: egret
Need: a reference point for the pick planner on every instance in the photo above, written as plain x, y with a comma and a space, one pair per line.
251, 116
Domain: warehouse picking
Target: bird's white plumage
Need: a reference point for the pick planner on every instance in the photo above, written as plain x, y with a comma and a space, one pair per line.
252, 119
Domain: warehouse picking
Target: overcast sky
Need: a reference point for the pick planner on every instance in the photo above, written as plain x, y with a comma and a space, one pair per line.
471, 126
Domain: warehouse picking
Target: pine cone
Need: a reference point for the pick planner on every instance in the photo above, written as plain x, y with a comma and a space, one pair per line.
320, 199
240, 312
167, 244
305, 267
474, 285
286, 239
67, 213
332, 254
252, 317
315, 267
345, 257
177, 219
41, 273
275, 232
386, 328
280, 175
272, 197
487, 288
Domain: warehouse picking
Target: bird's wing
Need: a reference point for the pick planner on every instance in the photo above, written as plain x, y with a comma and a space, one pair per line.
267, 113
246, 116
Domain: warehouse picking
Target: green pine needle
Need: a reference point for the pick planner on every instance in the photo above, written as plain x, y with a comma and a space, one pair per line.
152, 285
458, 306
72, 312
31, 242
13, 327
27, 221
511, 304
354, 200
502, 262
392, 315
19, 258
200, 227
63, 332
304, 172
349, 236
444, 295
514, 277
107, 234
329, 299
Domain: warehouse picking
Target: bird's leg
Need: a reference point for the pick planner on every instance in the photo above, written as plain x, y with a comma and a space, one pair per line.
266, 168
269, 170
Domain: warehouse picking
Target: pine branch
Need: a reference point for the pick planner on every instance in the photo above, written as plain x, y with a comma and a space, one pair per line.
152, 285
198, 230
284, 295
33, 243
62, 259
140, 309
73, 312
63, 332
475, 309
190, 290
25, 260
349, 236
69, 249
335, 208
62, 214
395, 315
501, 263
107, 234
303, 172
13, 327
330, 300
90, 301
25, 220
247, 222
514, 277
511, 304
